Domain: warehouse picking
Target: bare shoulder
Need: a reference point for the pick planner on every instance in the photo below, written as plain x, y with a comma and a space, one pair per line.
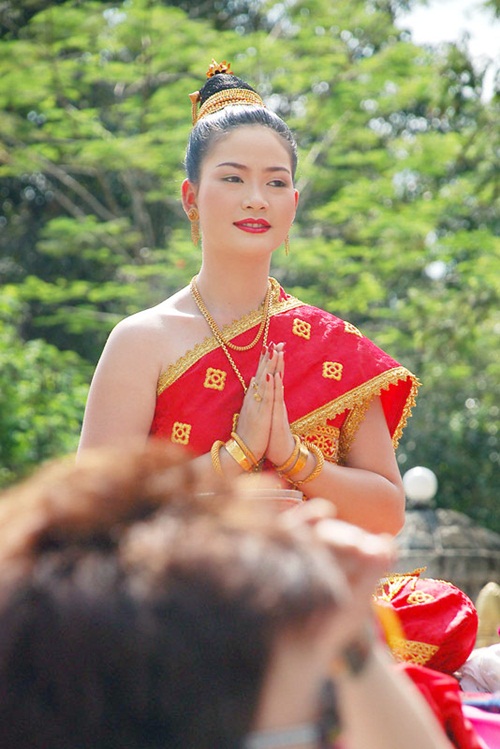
158, 335
154, 320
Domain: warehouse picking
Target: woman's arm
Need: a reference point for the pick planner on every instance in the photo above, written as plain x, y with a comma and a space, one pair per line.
122, 395
382, 709
367, 490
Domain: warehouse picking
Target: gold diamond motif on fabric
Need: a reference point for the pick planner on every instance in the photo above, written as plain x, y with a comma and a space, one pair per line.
350, 328
301, 328
332, 370
180, 433
215, 379
418, 596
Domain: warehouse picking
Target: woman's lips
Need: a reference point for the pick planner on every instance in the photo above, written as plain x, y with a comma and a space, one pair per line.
253, 226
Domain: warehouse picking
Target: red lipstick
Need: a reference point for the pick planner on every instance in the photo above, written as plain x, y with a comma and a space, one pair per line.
253, 225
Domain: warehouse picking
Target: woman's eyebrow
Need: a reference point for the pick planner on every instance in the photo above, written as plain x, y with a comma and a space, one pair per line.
235, 165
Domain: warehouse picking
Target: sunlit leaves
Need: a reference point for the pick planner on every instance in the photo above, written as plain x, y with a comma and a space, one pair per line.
398, 222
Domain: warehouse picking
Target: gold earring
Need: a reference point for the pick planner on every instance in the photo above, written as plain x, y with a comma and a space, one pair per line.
287, 245
193, 216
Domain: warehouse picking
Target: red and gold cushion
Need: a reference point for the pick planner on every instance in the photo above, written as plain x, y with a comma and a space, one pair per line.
439, 621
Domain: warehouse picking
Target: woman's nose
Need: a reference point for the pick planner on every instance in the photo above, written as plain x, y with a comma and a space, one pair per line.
255, 199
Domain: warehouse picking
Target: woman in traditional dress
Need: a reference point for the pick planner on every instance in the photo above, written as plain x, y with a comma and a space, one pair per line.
242, 374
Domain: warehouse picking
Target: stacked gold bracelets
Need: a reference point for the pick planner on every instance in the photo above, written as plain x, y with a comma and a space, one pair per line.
297, 461
288, 470
237, 450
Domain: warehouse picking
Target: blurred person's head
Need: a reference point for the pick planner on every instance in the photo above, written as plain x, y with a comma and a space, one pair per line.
136, 612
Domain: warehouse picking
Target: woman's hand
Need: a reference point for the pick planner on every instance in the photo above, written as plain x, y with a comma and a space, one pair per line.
254, 422
362, 557
281, 442
263, 422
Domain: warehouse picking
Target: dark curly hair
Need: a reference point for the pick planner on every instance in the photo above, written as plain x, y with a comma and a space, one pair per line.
136, 613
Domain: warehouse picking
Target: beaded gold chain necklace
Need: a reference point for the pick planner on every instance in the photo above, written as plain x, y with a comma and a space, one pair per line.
217, 333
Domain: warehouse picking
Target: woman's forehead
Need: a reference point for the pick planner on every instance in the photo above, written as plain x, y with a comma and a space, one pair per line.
246, 142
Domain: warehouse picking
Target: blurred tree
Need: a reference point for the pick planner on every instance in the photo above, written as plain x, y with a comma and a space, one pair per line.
42, 397
398, 222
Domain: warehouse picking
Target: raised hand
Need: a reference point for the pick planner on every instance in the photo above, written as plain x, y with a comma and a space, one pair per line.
254, 422
281, 442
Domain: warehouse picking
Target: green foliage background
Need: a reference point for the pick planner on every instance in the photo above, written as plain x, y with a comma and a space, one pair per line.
397, 229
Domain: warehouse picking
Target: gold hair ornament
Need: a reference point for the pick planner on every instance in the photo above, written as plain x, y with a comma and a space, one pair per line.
218, 67
226, 98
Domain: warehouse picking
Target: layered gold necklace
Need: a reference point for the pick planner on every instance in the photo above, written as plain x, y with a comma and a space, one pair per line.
217, 333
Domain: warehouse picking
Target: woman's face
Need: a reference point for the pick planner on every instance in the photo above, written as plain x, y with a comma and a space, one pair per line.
245, 197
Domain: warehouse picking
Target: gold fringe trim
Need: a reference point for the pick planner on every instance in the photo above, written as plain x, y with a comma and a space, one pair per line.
358, 400
350, 428
175, 370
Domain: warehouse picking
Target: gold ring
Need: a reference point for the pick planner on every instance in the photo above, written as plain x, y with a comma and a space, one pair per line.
257, 396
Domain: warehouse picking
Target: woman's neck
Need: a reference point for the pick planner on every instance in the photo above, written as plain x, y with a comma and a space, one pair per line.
231, 293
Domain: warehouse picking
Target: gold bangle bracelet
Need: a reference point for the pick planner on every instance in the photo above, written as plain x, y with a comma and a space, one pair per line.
248, 453
215, 455
300, 462
238, 455
320, 462
290, 462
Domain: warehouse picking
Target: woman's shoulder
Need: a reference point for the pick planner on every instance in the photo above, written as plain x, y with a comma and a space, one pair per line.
160, 334
156, 320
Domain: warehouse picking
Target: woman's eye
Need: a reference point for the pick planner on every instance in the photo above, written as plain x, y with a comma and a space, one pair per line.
232, 178
278, 183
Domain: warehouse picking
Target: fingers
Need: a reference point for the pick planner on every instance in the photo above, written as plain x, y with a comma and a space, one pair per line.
271, 362
280, 359
257, 412
360, 553
309, 513
261, 390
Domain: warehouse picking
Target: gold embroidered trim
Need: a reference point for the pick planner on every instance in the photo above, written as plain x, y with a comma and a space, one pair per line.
390, 585
175, 370
350, 428
326, 438
357, 400
412, 651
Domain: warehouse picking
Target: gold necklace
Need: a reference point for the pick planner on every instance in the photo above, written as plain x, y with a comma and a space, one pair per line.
216, 330
217, 333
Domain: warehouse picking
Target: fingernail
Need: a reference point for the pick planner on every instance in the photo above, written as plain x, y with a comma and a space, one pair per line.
268, 377
264, 350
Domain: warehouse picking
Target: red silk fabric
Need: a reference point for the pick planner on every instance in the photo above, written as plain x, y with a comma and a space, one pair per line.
332, 372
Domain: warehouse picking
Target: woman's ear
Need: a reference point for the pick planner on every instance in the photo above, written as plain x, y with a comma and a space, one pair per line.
188, 193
